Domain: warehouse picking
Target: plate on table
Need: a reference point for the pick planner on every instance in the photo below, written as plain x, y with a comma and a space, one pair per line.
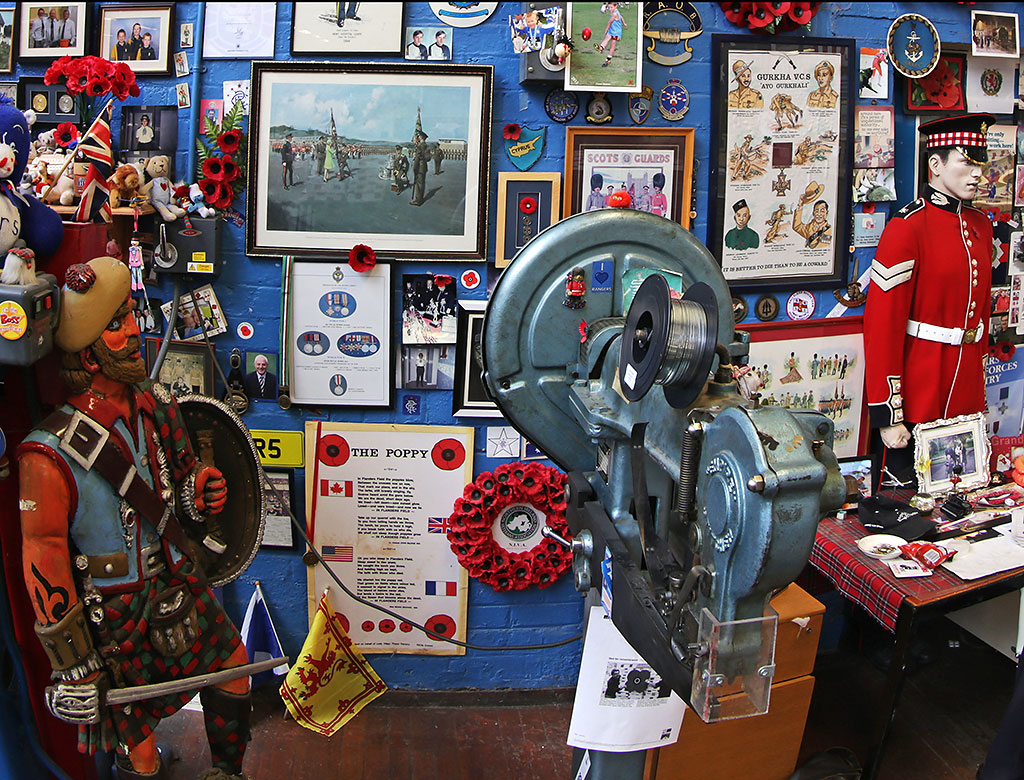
884, 547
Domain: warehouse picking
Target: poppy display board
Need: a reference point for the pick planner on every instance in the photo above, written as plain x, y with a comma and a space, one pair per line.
357, 173
944, 89
781, 144
815, 365
528, 203
378, 501
653, 165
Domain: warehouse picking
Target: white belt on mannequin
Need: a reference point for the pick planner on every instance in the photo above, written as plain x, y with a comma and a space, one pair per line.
954, 336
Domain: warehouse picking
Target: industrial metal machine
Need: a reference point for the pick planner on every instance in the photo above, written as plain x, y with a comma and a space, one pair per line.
690, 504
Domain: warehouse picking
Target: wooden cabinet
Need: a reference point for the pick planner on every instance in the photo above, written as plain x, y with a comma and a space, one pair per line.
765, 747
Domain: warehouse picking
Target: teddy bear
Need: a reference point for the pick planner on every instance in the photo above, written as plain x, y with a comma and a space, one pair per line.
55, 183
124, 185
25, 222
159, 188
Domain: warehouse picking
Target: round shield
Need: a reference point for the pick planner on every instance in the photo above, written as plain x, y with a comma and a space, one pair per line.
219, 438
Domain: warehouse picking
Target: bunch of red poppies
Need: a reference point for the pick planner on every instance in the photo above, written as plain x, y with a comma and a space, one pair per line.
770, 17
222, 160
482, 504
93, 77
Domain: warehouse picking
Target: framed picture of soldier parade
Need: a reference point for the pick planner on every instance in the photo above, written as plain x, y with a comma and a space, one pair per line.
392, 156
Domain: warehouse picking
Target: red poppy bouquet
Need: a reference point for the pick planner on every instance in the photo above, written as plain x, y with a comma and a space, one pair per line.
770, 18
221, 159
92, 81
504, 504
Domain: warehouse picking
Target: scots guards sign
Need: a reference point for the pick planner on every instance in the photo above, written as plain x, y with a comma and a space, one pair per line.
526, 149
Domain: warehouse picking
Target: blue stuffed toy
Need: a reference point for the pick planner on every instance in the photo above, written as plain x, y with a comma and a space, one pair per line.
28, 227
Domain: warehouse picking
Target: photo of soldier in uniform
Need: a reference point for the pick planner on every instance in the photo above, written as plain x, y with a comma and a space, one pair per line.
429, 310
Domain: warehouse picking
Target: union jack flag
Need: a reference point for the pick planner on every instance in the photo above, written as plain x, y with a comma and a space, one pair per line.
336, 553
438, 525
95, 147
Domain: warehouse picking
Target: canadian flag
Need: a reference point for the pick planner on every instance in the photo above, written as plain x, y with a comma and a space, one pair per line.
333, 487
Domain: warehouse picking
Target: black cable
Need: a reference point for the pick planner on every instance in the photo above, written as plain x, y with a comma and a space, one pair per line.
386, 611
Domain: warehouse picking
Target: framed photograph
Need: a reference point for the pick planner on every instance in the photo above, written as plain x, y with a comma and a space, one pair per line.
469, 396
188, 325
608, 55
816, 365
947, 448
187, 367
654, 165
428, 43
261, 373
429, 310
781, 143
378, 133
51, 102
52, 31
148, 130
148, 315
239, 31
278, 490
9, 89
139, 35
860, 470
333, 29
995, 34
8, 13
944, 89
528, 203
427, 367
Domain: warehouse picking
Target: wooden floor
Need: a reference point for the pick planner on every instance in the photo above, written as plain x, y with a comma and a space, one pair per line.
949, 713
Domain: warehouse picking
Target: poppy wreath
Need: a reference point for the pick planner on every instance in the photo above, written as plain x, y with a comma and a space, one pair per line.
481, 506
770, 18
221, 160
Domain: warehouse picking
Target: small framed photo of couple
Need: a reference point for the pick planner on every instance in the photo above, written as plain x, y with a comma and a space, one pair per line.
139, 35
952, 454
51, 31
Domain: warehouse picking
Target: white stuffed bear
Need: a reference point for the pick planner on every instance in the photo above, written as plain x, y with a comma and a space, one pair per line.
160, 189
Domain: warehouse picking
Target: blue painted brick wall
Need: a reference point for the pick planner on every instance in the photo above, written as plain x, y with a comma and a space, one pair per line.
249, 289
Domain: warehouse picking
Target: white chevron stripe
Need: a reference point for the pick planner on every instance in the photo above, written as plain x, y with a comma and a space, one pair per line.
887, 272
887, 284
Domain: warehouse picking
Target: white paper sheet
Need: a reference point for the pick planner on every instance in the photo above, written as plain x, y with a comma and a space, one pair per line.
618, 708
988, 557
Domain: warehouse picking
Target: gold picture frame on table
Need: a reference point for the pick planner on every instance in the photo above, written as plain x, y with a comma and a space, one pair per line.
528, 203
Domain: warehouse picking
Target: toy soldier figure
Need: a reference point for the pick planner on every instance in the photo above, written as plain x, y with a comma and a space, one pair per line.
420, 155
924, 325
398, 163
114, 579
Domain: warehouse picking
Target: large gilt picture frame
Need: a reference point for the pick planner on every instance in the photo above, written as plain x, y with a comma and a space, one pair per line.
393, 156
781, 143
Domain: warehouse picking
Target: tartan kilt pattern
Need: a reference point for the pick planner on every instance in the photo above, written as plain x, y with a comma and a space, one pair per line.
127, 618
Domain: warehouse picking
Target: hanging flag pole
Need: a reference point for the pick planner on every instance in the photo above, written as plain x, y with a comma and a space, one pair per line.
71, 157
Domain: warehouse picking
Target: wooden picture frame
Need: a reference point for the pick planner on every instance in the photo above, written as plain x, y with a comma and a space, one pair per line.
781, 147
34, 41
277, 529
356, 198
837, 391
52, 103
377, 29
8, 18
188, 366
943, 445
139, 21
635, 156
470, 397
916, 100
519, 218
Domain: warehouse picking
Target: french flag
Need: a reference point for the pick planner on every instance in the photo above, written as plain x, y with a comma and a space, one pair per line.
436, 588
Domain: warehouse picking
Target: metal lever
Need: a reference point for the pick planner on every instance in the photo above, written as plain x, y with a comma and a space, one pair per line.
642, 502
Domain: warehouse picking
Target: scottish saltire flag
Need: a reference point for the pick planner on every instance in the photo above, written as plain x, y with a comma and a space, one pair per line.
437, 588
260, 638
438, 525
95, 147
340, 553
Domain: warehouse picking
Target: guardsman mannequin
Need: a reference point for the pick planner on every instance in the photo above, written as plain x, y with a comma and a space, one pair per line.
924, 325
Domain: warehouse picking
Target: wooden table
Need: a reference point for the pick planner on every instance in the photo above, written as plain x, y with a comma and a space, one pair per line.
898, 604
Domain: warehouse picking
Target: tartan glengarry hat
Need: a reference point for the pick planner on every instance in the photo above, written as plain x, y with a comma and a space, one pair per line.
966, 133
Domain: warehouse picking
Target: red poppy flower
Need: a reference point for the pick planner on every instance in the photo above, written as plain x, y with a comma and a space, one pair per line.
583, 331
225, 195
231, 169
361, 258
759, 17
77, 75
213, 169
527, 204
512, 132
229, 140
212, 190
65, 135
942, 86
777, 8
134, 90
443, 280
56, 71
95, 87
802, 13
737, 12
1004, 350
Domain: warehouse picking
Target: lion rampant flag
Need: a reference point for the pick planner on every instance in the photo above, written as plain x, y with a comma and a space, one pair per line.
331, 681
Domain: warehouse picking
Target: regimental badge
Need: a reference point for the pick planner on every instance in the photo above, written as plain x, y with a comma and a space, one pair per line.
562, 106
639, 105
991, 83
461, 14
913, 46
673, 100
938, 198
338, 274
671, 35
599, 109
527, 149
766, 308
739, 309
800, 305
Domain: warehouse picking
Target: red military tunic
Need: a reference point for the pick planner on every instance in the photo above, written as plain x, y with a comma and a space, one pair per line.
933, 266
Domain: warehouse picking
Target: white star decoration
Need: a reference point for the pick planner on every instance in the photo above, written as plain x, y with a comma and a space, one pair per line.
502, 442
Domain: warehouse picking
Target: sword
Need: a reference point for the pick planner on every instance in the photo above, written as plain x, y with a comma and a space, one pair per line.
82, 702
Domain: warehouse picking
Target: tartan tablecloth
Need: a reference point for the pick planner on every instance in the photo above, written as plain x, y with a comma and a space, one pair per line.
867, 581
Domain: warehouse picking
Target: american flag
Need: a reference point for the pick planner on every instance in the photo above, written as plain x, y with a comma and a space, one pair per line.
435, 588
332, 552
334, 487
95, 147
438, 525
